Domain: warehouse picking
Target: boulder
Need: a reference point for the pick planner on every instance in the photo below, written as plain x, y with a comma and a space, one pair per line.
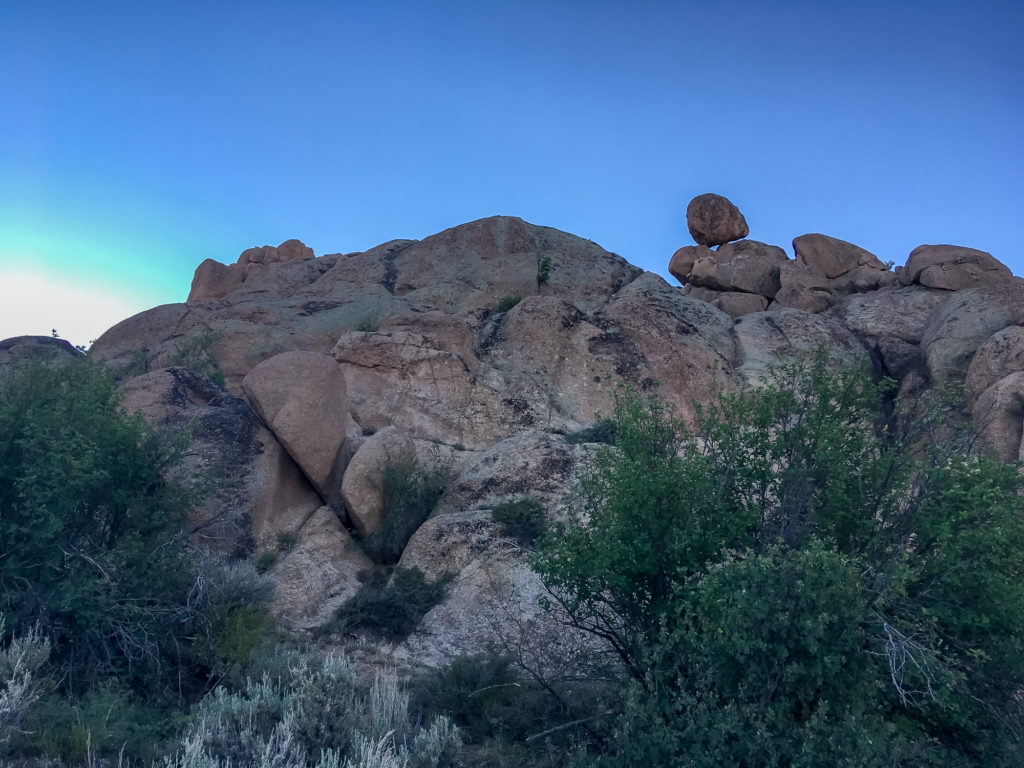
999, 414
714, 220
952, 268
302, 399
863, 279
319, 573
361, 486
999, 356
755, 266
736, 304
802, 286
213, 280
45, 348
493, 599
682, 260
833, 257
964, 321
258, 491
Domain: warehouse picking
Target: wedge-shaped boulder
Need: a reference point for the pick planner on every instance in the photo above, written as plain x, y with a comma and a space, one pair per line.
834, 257
302, 399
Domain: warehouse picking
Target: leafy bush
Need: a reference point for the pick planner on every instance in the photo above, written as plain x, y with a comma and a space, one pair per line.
811, 578
91, 527
507, 302
410, 492
523, 518
391, 608
543, 271
602, 432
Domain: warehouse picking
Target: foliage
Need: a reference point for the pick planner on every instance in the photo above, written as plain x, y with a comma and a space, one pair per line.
601, 432
196, 352
523, 518
90, 526
391, 607
543, 271
313, 708
409, 493
817, 575
507, 302
20, 685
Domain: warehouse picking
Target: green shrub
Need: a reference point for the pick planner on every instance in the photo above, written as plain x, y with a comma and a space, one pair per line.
394, 608
266, 561
286, 541
602, 432
507, 302
810, 578
523, 518
196, 353
409, 492
543, 271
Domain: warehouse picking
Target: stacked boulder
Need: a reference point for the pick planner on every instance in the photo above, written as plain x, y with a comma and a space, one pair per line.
214, 280
742, 276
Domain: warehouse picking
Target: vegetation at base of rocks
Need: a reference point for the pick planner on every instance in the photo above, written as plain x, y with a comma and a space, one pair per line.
409, 492
507, 302
195, 352
523, 519
21, 659
603, 431
94, 566
391, 607
266, 561
819, 574
286, 541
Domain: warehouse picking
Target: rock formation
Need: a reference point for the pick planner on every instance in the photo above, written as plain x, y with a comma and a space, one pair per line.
453, 345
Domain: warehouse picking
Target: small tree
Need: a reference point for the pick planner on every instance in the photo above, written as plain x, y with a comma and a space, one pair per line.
816, 575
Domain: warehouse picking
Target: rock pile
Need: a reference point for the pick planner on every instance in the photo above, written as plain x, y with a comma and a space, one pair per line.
744, 276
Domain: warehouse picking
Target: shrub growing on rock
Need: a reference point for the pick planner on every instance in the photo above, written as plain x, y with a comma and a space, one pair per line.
391, 607
409, 493
523, 518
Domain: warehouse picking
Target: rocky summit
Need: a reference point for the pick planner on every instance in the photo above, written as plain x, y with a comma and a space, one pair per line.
477, 351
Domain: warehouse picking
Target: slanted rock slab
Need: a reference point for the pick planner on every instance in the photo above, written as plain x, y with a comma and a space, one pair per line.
302, 399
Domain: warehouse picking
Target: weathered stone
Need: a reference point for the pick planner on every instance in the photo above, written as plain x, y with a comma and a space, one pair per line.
704, 294
863, 279
892, 322
755, 266
952, 268
682, 260
999, 413
736, 304
361, 486
1001, 355
832, 256
320, 573
964, 321
714, 220
802, 287
302, 399
43, 348
767, 338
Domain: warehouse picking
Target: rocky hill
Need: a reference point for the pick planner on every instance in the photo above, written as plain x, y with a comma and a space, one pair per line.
479, 349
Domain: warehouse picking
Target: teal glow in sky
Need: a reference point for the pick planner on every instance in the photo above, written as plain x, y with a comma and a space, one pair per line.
139, 138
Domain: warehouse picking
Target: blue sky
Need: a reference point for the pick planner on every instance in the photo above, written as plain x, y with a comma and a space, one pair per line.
139, 138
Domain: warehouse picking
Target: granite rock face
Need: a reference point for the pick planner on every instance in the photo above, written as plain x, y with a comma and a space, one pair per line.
455, 346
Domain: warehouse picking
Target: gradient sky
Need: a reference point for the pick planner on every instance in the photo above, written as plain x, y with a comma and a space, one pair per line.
139, 138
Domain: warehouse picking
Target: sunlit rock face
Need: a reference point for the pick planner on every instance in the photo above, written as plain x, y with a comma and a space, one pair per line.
482, 346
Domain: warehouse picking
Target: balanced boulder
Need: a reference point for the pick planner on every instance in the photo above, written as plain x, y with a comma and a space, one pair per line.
714, 220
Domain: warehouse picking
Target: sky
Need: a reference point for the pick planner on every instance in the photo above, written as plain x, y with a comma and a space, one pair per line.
139, 138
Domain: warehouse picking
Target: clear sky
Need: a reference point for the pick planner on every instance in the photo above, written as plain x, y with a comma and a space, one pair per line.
139, 138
